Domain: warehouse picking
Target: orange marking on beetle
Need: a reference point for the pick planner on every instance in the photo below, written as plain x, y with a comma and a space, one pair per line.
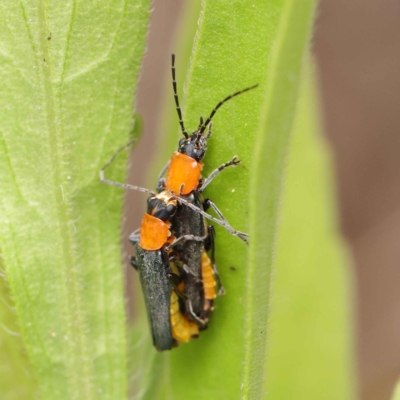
182, 329
183, 170
208, 277
153, 233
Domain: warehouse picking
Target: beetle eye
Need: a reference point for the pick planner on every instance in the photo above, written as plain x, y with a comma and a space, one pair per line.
152, 201
171, 208
151, 204
165, 214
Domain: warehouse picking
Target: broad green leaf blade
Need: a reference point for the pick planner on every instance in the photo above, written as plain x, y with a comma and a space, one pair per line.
145, 365
267, 180
309, 345
16, 378
69, 71
233, 49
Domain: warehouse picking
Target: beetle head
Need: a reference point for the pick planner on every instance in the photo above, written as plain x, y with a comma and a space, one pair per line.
162, 206
194, 146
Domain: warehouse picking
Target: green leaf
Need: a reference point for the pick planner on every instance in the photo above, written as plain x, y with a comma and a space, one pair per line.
68, 73
16, 378
267, 182
310, 343
396, 393
238, 44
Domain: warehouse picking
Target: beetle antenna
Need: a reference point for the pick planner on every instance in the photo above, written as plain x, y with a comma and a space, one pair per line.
178, 108
198, 130
202, 127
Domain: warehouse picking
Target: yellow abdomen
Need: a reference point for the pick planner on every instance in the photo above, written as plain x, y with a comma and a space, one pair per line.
208, 277
182, 329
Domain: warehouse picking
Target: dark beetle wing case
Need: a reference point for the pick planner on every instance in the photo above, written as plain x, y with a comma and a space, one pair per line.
153, 268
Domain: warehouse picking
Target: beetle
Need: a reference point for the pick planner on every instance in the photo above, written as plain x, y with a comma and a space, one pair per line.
179, 293
222, 222
183, 170
163, 278
183, 177
160, 276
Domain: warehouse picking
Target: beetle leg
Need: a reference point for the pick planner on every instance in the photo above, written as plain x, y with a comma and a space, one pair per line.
133, 262
160, 185
202, 323
174, 285
164, 170
213, 174
241, 235
186, 237
160, 179
183, 267
211, 233
186, 268
134, 237
223, 222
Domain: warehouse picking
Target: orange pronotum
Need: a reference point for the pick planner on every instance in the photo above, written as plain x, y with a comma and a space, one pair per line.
153, 233
183, 170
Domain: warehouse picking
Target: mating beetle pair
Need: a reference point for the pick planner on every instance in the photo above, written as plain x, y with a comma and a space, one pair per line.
179, 280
